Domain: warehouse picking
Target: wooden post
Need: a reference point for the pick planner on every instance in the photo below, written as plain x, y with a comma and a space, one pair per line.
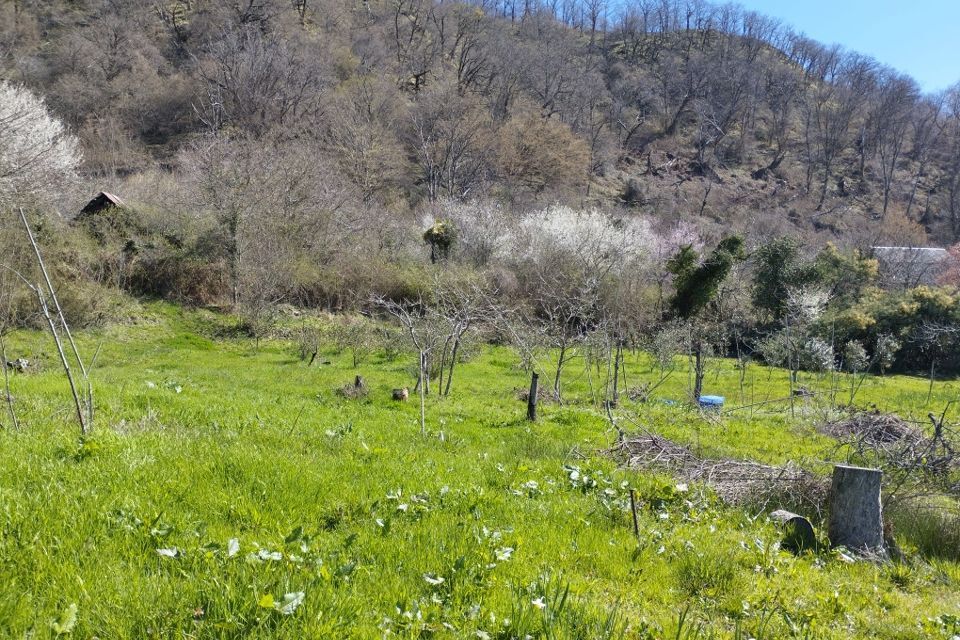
532, 398
617, 359
856, 516
633, 511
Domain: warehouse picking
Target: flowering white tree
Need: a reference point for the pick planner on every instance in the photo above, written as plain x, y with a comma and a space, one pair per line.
600, 242
36, 150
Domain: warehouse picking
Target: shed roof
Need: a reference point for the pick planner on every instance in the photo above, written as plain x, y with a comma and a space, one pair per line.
103, 200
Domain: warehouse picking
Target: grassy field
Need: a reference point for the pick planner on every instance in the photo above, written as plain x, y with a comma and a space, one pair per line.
229, 492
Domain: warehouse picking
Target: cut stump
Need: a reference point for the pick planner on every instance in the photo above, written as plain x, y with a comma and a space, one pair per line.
856, 515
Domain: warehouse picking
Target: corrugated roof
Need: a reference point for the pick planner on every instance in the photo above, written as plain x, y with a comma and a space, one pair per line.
116, 200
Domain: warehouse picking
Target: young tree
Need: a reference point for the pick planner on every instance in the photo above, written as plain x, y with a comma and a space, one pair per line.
695, 289
780, 266
462, 305
423, 338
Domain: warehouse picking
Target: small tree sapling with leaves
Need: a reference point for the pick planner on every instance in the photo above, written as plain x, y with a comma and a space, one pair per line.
796, 345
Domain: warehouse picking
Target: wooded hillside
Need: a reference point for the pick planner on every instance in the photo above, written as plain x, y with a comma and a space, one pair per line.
677, 109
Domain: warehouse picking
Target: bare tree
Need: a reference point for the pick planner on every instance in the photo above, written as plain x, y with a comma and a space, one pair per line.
897, 96
830, 109
272, 203
462, 306
255, 81
926, 127
417, 327
449, 136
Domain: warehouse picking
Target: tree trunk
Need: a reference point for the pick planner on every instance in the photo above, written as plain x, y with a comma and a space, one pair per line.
425, 375
532, 398
443, 363
422, 384
856, 515
6, 383
556, 379
234, 250
617, 361
697, 370
453, 362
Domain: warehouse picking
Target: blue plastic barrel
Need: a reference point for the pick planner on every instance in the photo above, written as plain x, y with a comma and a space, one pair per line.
710, 402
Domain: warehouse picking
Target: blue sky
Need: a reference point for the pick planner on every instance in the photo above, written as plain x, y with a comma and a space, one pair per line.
919, 37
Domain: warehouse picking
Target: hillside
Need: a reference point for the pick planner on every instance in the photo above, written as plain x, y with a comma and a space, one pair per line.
681, 111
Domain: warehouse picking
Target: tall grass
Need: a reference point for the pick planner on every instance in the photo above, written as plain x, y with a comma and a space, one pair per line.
230, 492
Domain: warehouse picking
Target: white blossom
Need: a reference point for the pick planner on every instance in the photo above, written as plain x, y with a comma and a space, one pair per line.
37, 153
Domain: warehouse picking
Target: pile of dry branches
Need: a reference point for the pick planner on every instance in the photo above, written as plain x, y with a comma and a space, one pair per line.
916, 464
874, 429
889, 441
734, 481
544, 395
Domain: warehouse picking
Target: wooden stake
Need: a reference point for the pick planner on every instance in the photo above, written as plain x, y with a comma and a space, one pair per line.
63, 357
63, 320
532, 397
633, 510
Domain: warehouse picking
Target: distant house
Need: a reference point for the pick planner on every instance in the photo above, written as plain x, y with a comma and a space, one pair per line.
910, 266
101, 202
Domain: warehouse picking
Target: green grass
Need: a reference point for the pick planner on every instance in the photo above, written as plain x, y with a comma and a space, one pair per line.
221, 478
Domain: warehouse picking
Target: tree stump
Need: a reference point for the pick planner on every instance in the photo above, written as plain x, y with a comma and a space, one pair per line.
532, 397
358, 383
798, 534
401, 395
856, 515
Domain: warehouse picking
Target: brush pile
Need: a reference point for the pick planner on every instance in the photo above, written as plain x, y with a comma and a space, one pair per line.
734, 481
904, 451
544, 395
874, 429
